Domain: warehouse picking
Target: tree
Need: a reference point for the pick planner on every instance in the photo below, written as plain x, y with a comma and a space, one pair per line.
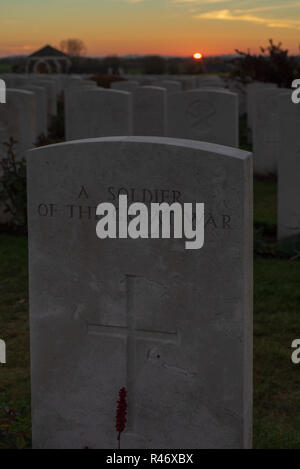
73, 47
153, 65
112, 62
273, 65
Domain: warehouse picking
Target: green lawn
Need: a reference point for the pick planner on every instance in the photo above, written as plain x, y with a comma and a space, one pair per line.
5, 68
276, 324
14, 383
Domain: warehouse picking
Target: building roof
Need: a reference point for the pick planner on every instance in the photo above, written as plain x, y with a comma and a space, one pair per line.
48, 51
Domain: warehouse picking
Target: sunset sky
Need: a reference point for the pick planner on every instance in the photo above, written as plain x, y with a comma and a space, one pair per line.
168, 27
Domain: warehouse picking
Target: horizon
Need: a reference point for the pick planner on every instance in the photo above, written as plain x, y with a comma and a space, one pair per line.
174, 28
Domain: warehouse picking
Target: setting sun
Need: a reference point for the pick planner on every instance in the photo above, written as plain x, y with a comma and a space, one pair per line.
197, 56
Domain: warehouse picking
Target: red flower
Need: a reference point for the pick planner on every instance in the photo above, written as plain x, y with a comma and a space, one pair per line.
121, 412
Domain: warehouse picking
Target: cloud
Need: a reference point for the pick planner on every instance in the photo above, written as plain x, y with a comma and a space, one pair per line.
269, 8
201, 2
240, 15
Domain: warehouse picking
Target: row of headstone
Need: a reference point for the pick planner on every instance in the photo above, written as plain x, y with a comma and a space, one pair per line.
275, 121
208, 116
270, 128
186, 82
31, 104
18, 119
204, 114
44, 90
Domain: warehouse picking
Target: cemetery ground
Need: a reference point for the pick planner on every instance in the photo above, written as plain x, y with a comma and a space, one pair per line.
276, 324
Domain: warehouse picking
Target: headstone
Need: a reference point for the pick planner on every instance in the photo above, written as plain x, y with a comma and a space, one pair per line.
171, 86
172, 326
15, 80
128, 85
237, 87
209, 80
149, 111
188, 83
288, 212
85, 85
50, 86
204, 114
266, 131
18, 120
251, 91
70, 81
2, 91
56, 79
98, 113
41, 108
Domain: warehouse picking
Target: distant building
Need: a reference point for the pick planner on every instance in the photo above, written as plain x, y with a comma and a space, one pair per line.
48, 60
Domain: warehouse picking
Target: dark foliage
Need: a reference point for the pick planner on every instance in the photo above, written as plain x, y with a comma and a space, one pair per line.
13, 188
153, 65
106, 80
273, 65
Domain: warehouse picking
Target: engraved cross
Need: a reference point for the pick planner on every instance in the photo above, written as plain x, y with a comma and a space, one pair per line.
132, 333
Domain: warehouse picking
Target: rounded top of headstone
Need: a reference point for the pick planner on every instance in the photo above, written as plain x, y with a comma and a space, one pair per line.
138, 140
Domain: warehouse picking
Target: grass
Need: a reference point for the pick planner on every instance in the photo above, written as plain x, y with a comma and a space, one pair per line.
265, 206
14, 330
276, 324
276, 378
5, 68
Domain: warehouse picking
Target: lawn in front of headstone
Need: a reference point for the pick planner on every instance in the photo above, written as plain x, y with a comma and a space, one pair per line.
276, 324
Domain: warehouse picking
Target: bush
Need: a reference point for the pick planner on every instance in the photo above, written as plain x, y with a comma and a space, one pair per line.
272, 65
13, 188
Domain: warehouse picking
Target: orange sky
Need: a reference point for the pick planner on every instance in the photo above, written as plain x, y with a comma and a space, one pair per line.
169, 27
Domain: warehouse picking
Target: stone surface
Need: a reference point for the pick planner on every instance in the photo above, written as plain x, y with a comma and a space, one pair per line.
171, 86
98, 113
51, 88
149, 111
209, 80
251, 91
173, 326
129, 85
206, 115
288, 211
41, 108
236, 87
266, 132
18, 120
73, 88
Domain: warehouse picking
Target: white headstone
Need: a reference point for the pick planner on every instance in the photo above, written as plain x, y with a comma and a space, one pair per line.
50, 86
210, 80
98, 113
207, 115
41, 108
149, 111
288, 212
18, 120
251, 91
266, 131
128, 85
172, 326
171, 86
188, 83
2, 91
239, 88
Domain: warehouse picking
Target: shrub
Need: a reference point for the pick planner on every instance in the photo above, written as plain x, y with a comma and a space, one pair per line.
272, 65
13, 187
